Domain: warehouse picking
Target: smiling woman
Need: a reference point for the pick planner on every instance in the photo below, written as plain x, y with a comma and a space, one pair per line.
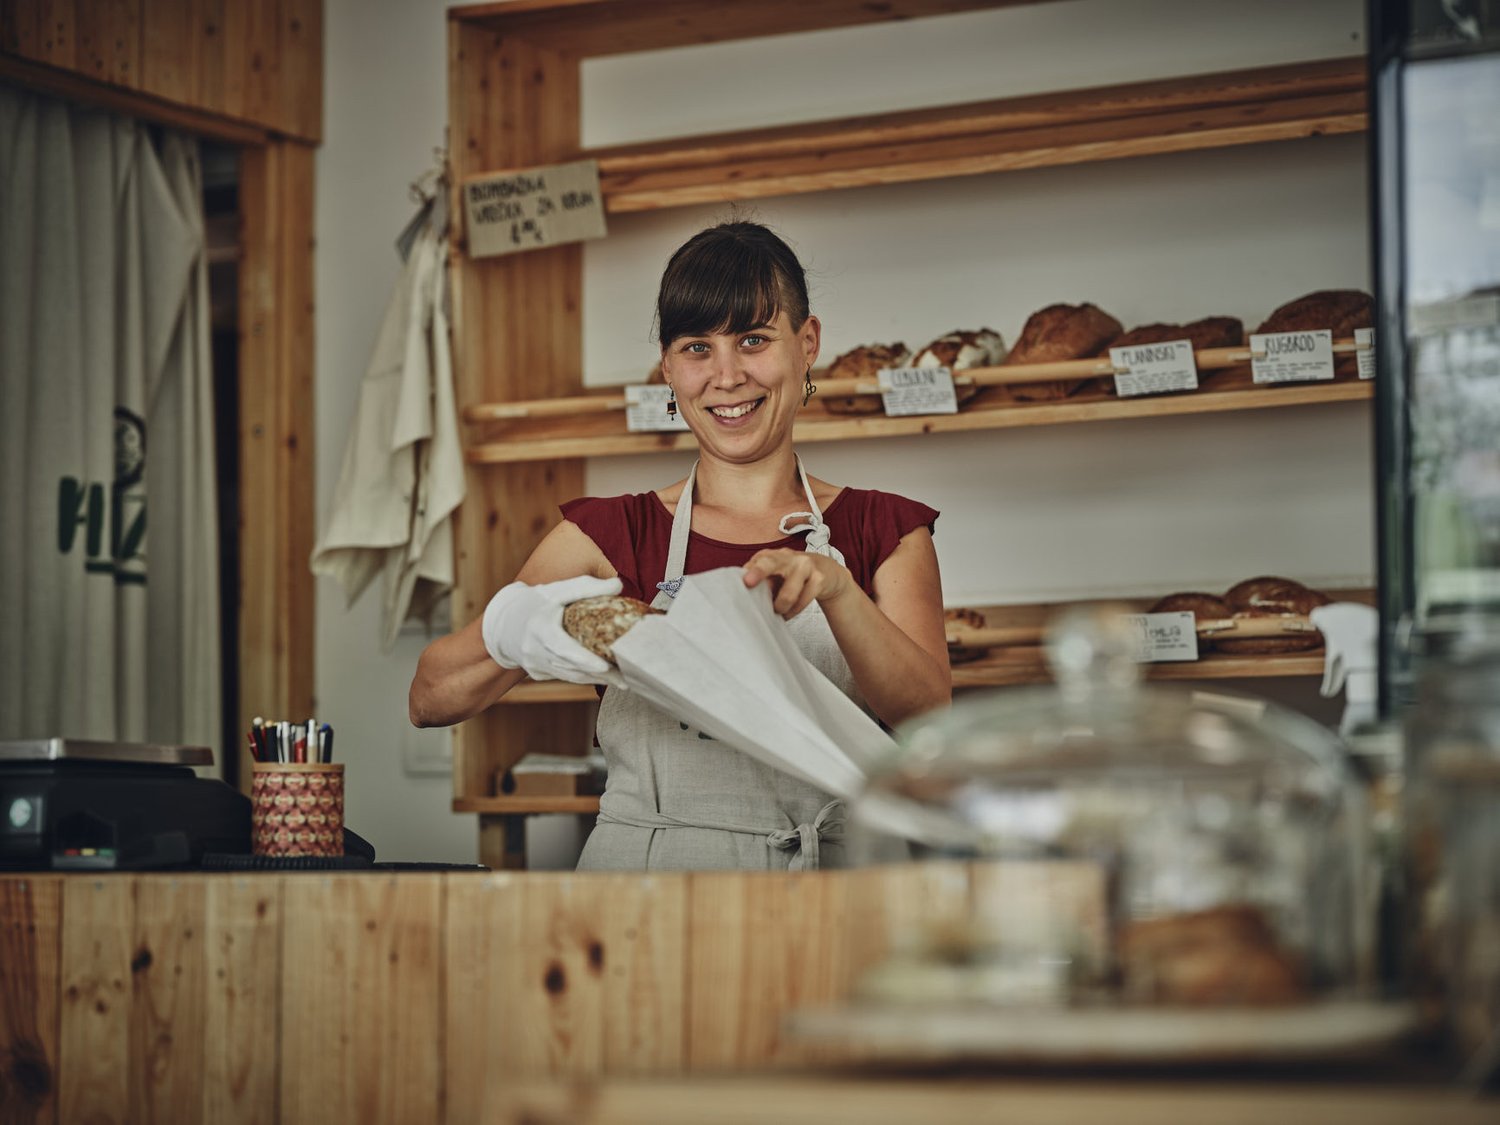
852, 570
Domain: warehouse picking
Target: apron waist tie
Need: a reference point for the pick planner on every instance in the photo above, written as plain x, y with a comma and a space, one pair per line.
806, 838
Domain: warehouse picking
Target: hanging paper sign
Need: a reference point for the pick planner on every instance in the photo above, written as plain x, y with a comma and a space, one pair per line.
646, 409
1291, 357
1153, 369
917, 390
508, 212
1164, 636
1364, 339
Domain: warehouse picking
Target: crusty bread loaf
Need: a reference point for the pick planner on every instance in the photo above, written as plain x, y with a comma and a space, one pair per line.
1340, 311
863, 362
1269, 596
959, 350
1227, 955
968, 618
597, 623
1057, 333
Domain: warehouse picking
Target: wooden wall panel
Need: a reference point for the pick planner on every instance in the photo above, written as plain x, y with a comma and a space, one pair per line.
242, 943
93, 1055
30, 952
256, 61
761, 945
518, 334
276, 430
168, 982
361, 988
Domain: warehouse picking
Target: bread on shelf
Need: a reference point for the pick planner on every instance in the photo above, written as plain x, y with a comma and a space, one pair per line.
1269, 596
1056, 333
1203, 607
1340, 311
863, 362
1209, 332
970, 619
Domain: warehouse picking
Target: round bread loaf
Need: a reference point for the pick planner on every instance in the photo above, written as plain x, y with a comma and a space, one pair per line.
1210, 332
863, 362
1269, 596
1057, 333
597, 623
1340, 311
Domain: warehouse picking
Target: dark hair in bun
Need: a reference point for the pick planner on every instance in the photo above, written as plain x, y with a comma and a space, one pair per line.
729, 278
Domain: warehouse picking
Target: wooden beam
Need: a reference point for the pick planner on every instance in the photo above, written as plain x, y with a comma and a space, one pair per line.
30, 951
276, 431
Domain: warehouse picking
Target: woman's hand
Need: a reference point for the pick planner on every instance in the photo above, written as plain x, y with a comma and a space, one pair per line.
798, 578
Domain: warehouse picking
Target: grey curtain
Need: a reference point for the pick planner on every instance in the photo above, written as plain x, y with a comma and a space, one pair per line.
109, 609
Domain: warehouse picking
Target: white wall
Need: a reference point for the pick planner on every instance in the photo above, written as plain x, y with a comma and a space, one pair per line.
1122, 507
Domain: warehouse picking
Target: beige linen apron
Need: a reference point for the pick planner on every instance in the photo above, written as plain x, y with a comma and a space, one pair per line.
680, 800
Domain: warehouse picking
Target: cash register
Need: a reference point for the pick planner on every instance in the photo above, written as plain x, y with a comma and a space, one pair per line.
69, 804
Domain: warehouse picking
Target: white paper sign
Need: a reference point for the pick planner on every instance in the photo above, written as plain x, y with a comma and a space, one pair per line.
1153, 369
1164, 637
646, 409
1292, 357
917, 390
1365, 339
527, 209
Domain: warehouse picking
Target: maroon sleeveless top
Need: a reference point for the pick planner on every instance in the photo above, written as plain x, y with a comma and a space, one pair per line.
634, 531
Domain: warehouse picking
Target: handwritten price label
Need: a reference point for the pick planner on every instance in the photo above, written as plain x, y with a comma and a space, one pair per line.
1164, 637
1364, 338
1153, 369
917, 390
646, 409
1292, 357
509, 212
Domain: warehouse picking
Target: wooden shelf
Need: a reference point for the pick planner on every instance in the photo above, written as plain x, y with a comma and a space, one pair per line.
604, 434
1009, 667
1073, 127
526, 806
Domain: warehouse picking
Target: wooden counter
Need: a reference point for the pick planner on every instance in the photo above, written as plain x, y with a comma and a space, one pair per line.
426, 997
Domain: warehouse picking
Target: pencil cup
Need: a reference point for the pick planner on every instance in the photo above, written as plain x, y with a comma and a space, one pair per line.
297, 808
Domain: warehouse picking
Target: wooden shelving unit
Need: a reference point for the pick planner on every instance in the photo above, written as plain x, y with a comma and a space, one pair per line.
514, 99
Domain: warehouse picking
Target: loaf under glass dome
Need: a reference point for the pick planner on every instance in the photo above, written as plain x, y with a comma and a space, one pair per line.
1108, 844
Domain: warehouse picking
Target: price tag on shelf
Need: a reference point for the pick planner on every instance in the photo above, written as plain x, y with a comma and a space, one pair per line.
1364, 338
917, 390
1153, 369
526, 209
1164, 637
646, 409
1292, 357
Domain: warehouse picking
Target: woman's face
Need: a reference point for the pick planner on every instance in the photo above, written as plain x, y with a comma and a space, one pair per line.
740, 392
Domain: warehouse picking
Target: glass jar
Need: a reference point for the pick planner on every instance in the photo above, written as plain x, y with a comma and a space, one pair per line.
1452, 839
1110, 844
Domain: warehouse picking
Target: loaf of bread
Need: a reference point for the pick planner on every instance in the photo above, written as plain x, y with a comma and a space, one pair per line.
1340, 311
1269, 596
863, 362
1057, 333
597, 623
970, 619
1203, 607
1227, 955
1210, 332
961, 349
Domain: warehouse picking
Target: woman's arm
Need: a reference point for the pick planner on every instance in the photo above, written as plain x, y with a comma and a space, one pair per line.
895, 643
456, 678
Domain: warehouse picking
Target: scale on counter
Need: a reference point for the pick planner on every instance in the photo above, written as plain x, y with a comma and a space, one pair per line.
68, 804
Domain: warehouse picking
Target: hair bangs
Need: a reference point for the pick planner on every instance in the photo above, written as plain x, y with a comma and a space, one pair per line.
729, 279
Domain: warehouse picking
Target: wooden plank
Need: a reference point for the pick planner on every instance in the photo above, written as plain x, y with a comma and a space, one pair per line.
21, 27
59, 45
256, 54
514, 105
521, 806
241, 1012
892, 910
167, 1010
759, 946
208, 29
1257, 86
276, 430
30, 952
562, 975
1000, 151
590, 28
67, 85
299, 89
362, 995
171, 51
605, 435
93, 1056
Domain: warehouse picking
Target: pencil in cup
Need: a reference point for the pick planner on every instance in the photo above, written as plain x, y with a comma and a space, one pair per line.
297, 808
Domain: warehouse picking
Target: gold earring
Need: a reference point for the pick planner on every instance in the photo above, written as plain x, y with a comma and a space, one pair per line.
809, 388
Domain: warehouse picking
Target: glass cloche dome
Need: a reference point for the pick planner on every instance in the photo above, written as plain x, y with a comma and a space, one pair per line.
1104, 843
